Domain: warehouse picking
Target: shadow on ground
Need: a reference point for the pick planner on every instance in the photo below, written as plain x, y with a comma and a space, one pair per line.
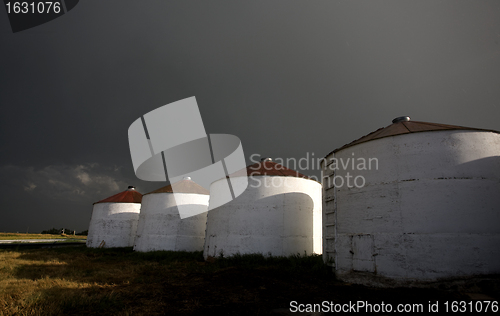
121, 282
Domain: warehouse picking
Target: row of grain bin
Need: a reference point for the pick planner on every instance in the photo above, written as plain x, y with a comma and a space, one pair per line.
428, 210
279, 214
151, 221
412, 202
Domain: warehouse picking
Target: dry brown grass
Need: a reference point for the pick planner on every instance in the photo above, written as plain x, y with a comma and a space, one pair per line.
82, 281
76, 282
5, 236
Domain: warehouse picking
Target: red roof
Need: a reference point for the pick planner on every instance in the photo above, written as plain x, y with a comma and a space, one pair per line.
268, 168
407, 127
127, 196
183, 186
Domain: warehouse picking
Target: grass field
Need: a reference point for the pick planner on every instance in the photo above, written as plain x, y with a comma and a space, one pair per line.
82, 281
5, 236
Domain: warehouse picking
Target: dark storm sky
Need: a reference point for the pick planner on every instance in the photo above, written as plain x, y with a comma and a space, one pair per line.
287, 77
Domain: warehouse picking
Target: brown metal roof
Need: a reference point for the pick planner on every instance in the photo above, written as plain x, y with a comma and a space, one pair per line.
407, 127
268, 168
127, 196
183, 186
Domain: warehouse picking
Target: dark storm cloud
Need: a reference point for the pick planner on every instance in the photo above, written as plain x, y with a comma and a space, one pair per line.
58, 195
286, 77
70, 183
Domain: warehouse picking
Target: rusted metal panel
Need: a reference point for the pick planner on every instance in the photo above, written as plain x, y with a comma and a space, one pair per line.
127, 196
183, 186
362, 253
268, 168
405, 127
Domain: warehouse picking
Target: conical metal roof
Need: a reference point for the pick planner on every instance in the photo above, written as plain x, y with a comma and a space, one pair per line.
267, 167
127, 196
183, 186
403, 125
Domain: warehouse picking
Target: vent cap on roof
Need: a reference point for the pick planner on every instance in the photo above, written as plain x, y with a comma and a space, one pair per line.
131, 187
266, 159
401, 119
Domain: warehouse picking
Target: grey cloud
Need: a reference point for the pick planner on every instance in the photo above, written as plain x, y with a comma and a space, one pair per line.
72, 183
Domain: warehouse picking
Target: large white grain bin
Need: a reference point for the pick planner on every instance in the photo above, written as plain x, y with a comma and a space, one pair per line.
114, 220
422, 204
279, 214
160, 226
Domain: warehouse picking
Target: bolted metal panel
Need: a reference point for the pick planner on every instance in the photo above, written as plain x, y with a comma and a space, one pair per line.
430, 207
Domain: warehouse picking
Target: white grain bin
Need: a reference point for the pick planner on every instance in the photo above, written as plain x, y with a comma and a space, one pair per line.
160, 226
114, 220
423, 204
279, 214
